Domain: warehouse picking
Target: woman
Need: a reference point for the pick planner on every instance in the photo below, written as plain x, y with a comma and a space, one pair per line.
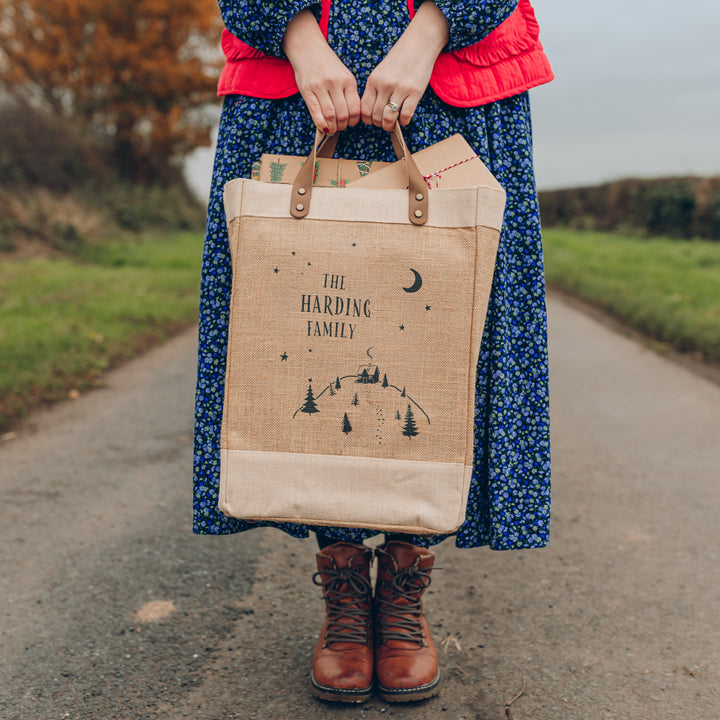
360, 66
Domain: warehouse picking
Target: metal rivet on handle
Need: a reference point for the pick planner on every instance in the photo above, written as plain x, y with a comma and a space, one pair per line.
299, 207
301, 191
419, 197
418, 213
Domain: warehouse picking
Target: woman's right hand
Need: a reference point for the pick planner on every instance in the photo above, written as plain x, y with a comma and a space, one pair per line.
327, 86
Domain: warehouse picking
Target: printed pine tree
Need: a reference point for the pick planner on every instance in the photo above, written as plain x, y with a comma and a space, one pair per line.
363, 167
277, 170
402, 394
315, 169
338, 183
355, 400
332, 392
310, 407
409, 429
397, 414
337, 383
385, 383
376, 375
346, 426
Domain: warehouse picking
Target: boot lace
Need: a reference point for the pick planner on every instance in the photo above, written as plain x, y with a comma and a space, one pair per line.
345, 590
401, 620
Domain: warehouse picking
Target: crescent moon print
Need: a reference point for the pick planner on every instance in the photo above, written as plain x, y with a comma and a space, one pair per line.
416, 285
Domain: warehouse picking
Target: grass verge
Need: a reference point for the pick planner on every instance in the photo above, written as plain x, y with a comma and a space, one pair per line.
63, 322
666, 289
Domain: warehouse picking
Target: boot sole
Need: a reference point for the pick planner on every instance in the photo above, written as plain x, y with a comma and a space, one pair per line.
422, 692
344, 695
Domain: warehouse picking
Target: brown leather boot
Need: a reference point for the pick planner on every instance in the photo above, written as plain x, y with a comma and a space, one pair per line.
406, 662
342, 666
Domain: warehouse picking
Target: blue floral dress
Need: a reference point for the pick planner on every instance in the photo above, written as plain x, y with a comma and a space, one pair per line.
509, 500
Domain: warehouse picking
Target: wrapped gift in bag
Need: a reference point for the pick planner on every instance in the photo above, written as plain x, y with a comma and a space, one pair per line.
355, 327
327, 172
450, 163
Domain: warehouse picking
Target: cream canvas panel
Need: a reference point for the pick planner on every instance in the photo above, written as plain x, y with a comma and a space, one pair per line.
355, 492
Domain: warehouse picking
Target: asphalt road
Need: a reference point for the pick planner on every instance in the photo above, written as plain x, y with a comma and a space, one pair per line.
111, 608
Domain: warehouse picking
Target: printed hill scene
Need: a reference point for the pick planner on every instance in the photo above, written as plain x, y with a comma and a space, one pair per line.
367, 402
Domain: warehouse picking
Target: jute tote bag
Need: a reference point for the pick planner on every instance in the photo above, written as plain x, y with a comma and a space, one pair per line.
355, 326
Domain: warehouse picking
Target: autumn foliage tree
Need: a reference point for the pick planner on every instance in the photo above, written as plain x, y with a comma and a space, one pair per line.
135, 73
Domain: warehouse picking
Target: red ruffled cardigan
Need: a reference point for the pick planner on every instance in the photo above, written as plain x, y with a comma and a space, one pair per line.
508, 61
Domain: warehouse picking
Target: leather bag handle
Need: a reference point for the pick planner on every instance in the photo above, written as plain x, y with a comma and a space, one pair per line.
324, 147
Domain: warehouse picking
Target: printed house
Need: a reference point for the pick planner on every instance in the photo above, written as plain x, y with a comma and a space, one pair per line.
366, 378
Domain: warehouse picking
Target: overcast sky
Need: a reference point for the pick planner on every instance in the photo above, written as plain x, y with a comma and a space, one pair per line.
636, 94
637, 91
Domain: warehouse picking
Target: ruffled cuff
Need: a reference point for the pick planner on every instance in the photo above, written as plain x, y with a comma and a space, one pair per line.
262, 24
470, 22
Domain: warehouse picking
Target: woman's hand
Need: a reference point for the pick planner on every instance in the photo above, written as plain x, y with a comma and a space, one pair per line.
402, 77
327, 86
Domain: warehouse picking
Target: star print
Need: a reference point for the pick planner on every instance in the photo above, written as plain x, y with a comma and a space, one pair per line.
284, 356
309, 263
402, 327
427, 307
354, 244
276, 270
293, 252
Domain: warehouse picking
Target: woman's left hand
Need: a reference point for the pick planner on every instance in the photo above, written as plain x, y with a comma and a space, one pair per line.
402, 77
